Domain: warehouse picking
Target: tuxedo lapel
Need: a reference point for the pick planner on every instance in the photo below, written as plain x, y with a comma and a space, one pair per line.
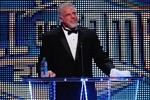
64, 42
66, 45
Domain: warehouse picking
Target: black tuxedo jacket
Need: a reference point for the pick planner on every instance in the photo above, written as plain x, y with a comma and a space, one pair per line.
60, 60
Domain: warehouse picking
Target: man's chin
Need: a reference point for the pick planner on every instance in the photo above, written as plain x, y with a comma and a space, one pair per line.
74, 26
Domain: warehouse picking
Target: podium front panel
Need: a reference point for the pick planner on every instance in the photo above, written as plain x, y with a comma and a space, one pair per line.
83, 88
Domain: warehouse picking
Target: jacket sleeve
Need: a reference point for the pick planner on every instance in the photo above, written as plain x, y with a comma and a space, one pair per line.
101, 58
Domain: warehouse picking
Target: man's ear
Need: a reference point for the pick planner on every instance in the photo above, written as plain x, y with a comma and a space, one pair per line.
60, 19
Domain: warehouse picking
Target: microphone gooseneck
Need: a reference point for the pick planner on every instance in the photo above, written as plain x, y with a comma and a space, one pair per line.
82, 63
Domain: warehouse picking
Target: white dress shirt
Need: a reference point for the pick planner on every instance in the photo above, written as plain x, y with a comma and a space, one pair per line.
72, 40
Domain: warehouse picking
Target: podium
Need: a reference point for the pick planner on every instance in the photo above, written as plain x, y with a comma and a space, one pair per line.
116, 88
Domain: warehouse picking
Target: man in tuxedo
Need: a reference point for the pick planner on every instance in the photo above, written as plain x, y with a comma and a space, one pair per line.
69, 50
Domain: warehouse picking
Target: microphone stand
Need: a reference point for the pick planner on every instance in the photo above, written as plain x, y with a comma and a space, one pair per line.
83, 88
82, 64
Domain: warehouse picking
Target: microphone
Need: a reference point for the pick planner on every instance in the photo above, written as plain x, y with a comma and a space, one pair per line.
82, 62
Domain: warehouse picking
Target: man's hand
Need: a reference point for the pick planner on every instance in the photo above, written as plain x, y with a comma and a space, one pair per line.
51, 74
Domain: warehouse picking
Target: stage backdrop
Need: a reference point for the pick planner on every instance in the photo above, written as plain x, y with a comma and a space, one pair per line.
123, 28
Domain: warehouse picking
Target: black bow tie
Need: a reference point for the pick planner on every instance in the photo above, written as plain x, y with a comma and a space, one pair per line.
71, 31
